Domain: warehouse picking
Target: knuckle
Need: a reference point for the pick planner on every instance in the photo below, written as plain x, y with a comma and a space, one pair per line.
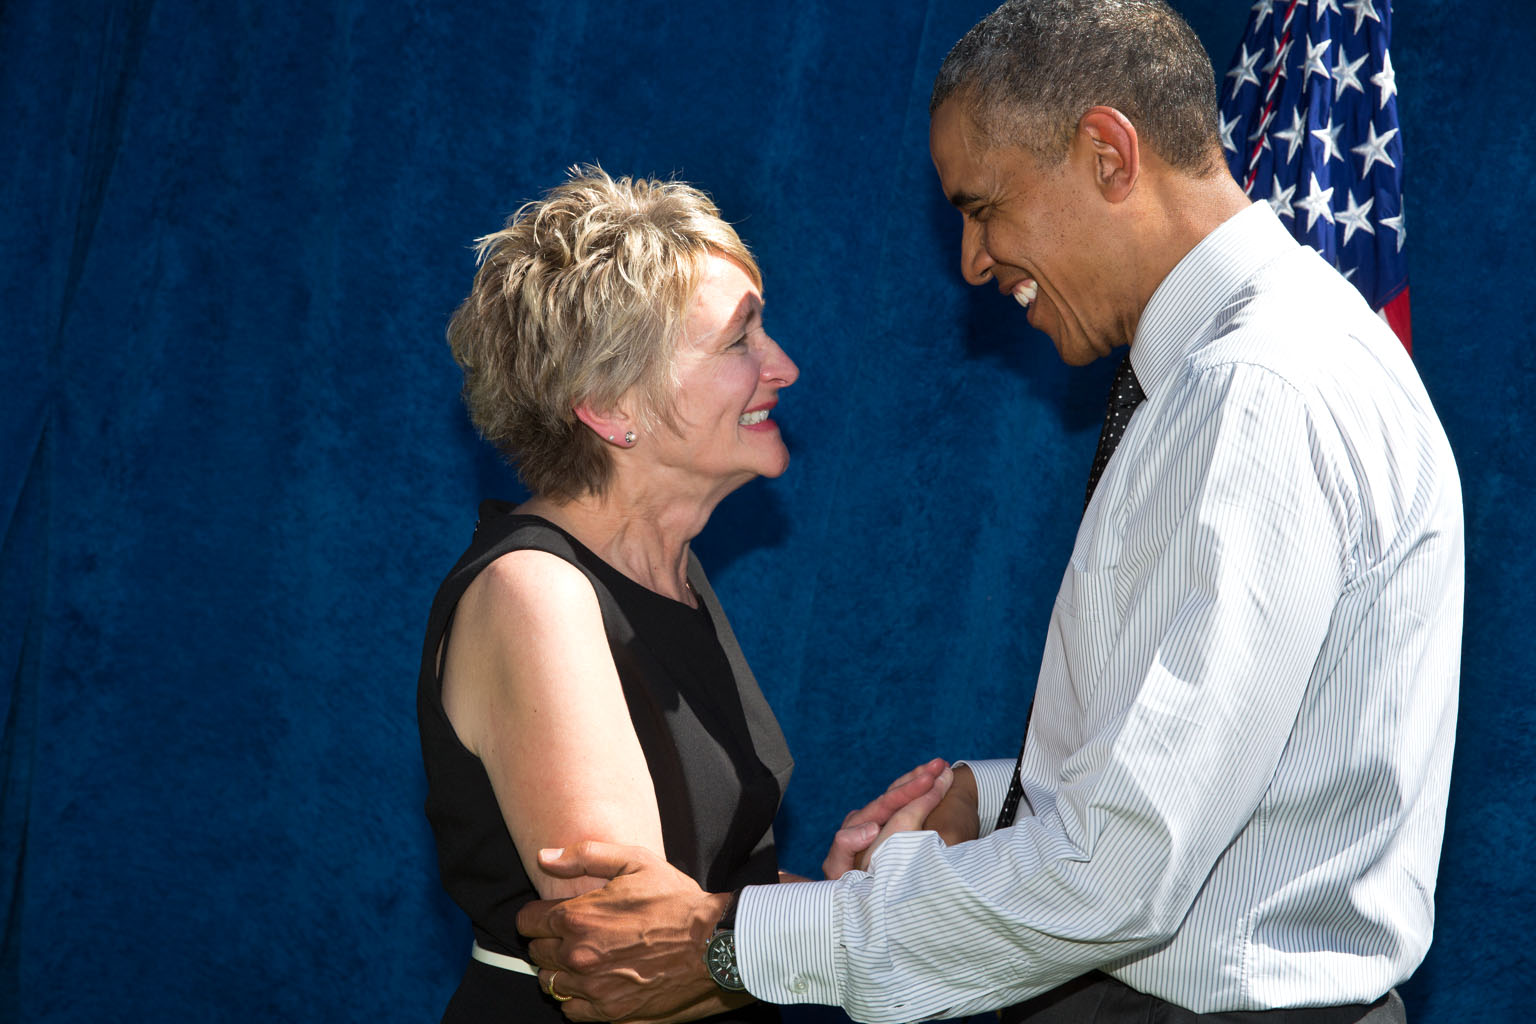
582, 958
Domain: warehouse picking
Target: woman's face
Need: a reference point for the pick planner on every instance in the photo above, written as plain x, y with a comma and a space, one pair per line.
730, 373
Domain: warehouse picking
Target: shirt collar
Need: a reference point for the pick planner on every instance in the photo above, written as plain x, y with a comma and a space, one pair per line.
1199, 286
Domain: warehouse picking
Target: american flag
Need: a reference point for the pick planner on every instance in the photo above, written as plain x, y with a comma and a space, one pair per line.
1309, 122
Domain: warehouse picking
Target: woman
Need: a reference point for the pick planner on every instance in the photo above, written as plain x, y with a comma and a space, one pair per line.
579, 679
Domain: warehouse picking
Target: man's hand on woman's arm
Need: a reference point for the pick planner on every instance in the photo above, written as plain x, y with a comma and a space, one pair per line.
632, 950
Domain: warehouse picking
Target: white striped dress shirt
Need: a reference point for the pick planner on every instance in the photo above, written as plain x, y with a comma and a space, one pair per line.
1236, 772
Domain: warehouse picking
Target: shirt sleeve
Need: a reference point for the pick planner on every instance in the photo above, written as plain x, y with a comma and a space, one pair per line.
782, 930
993, 778
1174, 669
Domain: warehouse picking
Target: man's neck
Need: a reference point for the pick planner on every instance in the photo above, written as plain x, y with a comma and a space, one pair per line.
1175, 214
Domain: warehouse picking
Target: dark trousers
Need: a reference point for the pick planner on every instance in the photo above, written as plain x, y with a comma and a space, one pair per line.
1097, 998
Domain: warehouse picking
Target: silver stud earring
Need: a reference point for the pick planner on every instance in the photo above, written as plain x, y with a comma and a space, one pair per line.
629, 437
610, 437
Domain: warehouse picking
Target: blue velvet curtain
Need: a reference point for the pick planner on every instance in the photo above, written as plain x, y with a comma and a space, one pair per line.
233, 466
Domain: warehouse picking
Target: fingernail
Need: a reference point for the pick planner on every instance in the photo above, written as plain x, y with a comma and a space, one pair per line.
868, 830
549, 854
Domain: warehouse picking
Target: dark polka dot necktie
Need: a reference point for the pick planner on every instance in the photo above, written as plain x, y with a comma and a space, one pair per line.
1125, 395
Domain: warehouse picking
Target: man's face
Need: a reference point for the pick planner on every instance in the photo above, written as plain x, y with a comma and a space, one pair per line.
1031, 229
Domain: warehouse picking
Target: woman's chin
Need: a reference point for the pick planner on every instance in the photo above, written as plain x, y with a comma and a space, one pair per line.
777, 469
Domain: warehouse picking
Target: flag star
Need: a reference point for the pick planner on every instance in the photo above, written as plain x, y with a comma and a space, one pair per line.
1276, 65
1349, 273
1385, 79
1328, 135
1345, 75
1280, 201
1242, 70
1325, 6
1374, 149
1314, 63
1262, 127
1356, 218
1226, 132
1397, 224
1263, 8
1362, 9
1294, 136
1319, 203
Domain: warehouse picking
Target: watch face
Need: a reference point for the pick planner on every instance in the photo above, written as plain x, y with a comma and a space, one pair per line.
720, 959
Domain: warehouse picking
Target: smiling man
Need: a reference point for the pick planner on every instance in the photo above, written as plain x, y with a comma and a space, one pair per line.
1231, 797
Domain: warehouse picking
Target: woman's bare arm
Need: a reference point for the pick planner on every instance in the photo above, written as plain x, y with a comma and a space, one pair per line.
531, 689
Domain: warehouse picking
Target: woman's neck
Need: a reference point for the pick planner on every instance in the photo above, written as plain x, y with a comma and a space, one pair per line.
644, 539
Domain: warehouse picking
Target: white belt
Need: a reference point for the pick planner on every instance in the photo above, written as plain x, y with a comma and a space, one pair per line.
506, 963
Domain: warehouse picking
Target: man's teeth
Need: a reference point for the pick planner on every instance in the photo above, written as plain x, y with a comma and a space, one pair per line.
1025, 293
753, 417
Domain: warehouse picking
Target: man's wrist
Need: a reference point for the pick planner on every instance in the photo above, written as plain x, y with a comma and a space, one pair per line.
727, 918
955, 818
720, 948
992, 779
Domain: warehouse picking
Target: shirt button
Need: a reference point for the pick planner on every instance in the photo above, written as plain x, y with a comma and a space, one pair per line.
799, 985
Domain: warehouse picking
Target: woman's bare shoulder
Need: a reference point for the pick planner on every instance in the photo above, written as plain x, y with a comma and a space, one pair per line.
527, 582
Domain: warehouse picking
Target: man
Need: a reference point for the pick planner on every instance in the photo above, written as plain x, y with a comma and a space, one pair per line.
1232, 795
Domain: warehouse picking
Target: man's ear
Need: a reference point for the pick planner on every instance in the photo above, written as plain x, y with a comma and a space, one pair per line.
609, 424
1116, 151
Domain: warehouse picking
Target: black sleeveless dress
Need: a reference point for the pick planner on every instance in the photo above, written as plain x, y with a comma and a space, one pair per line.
716, 756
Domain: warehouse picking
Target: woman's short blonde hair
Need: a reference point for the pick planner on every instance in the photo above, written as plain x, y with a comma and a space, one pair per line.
582, 298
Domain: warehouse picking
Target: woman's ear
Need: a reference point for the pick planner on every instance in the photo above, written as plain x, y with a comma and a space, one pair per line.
612, 425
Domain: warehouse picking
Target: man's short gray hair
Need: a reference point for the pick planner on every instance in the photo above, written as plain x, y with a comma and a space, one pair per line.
1027, 72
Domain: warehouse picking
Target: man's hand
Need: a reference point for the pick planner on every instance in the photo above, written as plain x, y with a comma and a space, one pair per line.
956, 819
901, 808
632, 950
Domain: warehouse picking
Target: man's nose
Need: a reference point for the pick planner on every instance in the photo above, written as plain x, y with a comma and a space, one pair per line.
975, 262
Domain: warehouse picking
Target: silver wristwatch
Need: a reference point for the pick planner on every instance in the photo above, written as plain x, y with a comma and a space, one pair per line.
720, 953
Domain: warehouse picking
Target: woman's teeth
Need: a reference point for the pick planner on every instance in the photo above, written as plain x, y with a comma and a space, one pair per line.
1025, 293
751, 418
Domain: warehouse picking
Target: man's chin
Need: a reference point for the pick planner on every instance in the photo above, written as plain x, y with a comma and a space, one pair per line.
1080, 351
1075, 355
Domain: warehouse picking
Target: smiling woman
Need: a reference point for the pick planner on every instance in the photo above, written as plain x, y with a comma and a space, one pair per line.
579, 680
729, 372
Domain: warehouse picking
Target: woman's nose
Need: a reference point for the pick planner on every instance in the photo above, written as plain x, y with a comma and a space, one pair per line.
778, 367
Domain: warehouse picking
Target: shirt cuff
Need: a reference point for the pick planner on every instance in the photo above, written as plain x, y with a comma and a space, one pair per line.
784, 942
993, 777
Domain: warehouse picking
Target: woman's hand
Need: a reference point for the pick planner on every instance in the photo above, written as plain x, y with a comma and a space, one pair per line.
903, 807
